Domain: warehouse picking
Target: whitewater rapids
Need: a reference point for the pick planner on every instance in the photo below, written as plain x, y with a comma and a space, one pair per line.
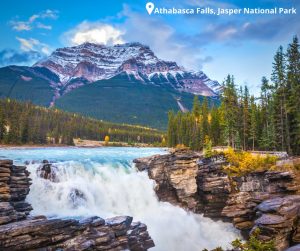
104, 182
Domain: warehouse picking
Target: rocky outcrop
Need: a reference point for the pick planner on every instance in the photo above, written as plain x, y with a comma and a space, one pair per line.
266, 199
278, 220
254, 188
20, 231
118, 233
214, 187
14, 186
175, 176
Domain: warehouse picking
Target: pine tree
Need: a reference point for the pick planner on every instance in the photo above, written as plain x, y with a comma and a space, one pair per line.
230, 103
245, 117
172, 132
196, 107
204, 118
293, 93
2, 125
280, 113
216, 128
267, 140
253, 122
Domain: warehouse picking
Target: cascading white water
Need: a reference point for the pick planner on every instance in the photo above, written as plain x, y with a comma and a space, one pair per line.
107, 186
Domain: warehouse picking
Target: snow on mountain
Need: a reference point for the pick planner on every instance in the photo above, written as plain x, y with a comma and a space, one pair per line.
90, 62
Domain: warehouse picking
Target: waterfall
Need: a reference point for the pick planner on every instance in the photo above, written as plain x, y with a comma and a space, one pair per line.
105, 183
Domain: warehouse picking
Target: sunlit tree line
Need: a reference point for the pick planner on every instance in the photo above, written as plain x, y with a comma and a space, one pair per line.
269, 121
23, 123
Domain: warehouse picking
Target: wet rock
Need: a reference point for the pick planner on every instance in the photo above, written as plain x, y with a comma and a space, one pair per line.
76, 197
47, 171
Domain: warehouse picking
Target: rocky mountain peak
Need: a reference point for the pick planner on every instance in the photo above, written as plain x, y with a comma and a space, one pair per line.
93, 62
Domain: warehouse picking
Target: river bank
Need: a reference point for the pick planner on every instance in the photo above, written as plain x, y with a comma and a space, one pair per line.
80, 143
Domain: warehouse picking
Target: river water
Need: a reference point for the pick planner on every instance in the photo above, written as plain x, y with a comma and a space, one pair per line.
104, 182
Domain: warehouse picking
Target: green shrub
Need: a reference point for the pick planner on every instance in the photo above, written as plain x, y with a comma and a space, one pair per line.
253, 244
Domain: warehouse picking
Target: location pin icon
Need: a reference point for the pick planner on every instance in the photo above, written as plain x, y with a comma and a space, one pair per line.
149, 7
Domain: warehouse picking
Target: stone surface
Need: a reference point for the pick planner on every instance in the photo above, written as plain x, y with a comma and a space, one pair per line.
278, 220
13, 191
91, 234
19, 231
175, 176
266, 199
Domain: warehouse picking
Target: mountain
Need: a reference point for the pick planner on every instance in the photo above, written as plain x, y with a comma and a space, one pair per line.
124, 83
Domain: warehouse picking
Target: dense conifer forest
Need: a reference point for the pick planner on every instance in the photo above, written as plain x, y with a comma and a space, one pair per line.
25, 123
270, 121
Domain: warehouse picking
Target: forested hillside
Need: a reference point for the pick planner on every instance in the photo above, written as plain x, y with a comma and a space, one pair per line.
270, 121
23, 123
121, 99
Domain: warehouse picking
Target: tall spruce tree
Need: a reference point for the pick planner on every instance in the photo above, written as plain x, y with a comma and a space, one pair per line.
253, 122
293, 94
230, 101
204, 118
245, 116
267, 140
280, 112
2, 124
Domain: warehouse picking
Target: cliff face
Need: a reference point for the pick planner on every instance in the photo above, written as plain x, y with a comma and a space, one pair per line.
268, 200
175, 176
14, 186
19, 231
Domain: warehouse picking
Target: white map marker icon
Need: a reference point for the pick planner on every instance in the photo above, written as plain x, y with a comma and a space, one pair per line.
149, 7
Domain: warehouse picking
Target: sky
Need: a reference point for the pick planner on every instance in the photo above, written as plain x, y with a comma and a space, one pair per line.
242, 45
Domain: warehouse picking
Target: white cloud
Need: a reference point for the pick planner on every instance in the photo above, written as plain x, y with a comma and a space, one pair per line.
162, 39
27, 44
52, 14
20, 26
32, 44
227, 33
33, 17
31, 22
94, 32
44, 26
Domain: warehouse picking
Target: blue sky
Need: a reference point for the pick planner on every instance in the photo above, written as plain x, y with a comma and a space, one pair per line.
241, 45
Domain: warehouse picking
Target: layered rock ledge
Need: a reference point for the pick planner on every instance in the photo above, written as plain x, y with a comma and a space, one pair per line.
269, 200
20, 231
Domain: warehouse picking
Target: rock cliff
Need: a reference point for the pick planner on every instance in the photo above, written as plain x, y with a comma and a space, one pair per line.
20, 231
267, 199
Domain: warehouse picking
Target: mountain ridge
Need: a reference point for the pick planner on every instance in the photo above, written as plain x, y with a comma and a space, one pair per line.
89, 62
121, 84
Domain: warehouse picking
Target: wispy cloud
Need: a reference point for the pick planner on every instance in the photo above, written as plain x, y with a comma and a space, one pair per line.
32, 44
31, 23
20, 26
238, 31
43, 26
